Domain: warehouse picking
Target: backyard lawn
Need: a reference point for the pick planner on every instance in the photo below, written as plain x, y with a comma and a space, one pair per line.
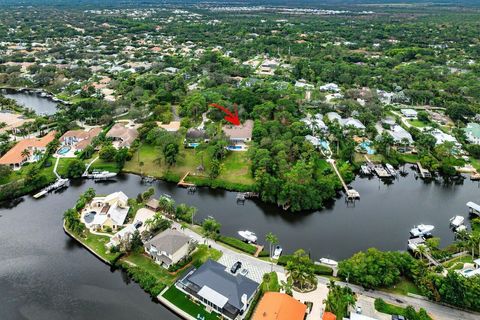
182, 301
404, 287
97, 243
236, 166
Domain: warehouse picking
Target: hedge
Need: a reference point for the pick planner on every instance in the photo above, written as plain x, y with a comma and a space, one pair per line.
238, 244
319, 269
145, 279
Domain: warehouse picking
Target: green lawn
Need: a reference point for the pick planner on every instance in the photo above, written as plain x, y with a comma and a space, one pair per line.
409, 158
236, 166
203, 253
418, 123
457, 263
182, 301
404, 287
97, 243
147, 264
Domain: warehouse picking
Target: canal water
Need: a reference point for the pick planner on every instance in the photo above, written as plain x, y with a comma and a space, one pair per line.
34, 101
46, 275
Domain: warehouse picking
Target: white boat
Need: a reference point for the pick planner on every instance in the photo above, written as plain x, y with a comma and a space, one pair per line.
103, 175
391, 169
248, 235
329, 262
277, 252
456, 221
460, 228
421, 230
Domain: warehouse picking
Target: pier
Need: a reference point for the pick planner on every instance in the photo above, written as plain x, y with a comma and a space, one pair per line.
351, 194
424, 173
184, 184
85, 174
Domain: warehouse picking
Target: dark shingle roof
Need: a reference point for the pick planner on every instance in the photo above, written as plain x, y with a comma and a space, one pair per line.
213, 275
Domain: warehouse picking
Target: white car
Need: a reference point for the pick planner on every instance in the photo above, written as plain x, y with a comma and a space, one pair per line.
358, 310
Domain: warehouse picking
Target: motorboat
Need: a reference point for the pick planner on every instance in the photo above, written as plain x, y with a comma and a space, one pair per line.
456, 221
277, 252
103, 175
421, 230
365, 170
248, 235
329, 262
391, 169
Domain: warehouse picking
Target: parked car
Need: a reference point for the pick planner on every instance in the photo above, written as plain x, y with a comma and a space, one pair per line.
397, 317
358, 310
138, 224
237, 265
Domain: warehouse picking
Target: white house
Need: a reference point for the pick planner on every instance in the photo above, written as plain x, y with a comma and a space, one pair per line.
442, 137
168, 247
110, 211
333, 87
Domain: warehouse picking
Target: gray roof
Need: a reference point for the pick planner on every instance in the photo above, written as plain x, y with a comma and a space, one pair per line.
169, 241
213, 275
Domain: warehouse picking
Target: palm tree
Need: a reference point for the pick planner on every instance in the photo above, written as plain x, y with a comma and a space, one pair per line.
25, 154
421, 251
272, 240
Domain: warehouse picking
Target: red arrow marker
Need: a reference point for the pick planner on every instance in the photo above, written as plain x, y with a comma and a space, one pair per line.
230, 117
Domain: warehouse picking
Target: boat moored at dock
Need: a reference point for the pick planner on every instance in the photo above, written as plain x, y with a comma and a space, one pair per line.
456, 221
422, 230
248, 236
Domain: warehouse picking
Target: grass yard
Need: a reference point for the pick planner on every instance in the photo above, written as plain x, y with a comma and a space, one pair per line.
404, 287
147, 264
236, 166
418, 123
97, 243
457, 263
203, 253
182, 301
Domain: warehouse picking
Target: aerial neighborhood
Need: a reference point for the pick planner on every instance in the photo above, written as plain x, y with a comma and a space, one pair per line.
241, 161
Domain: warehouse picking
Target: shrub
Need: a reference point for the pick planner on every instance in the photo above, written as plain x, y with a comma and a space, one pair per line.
145, 279
238, 244
319, 269
180, 264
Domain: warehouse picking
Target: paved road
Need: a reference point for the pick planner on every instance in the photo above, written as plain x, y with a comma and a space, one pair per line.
437, 311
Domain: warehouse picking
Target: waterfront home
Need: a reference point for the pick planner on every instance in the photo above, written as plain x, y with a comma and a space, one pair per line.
123, 235
194, 137
470, 270
106, 212
472, 131
409, 113
240, 134
169, 247
215, 287
442, 137
78, 140
122, 135
27, 150
279, 306
400, 135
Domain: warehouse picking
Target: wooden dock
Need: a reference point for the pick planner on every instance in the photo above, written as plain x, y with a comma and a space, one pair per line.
184, 184
351, 194
259, 249
424, 173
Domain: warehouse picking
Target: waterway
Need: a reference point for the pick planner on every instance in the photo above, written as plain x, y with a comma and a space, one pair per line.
33, 100
46, 275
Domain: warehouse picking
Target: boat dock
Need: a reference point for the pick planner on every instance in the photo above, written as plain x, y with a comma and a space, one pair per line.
381, 172
242, 196
60, 183
184, 184
351, 194
85, 174
424, 173
473, 208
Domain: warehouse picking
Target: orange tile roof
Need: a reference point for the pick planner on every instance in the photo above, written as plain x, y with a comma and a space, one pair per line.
329, 316
14, 155
279, 306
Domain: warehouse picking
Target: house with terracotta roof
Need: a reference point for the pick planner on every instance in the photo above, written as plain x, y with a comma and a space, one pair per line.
27, 150
122, 135
279, 306
329, 316
78, 140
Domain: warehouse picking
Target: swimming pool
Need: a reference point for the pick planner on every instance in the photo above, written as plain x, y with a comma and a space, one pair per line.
63, 150
234, 147
324, 144
89, 217
366, 145
193, 144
